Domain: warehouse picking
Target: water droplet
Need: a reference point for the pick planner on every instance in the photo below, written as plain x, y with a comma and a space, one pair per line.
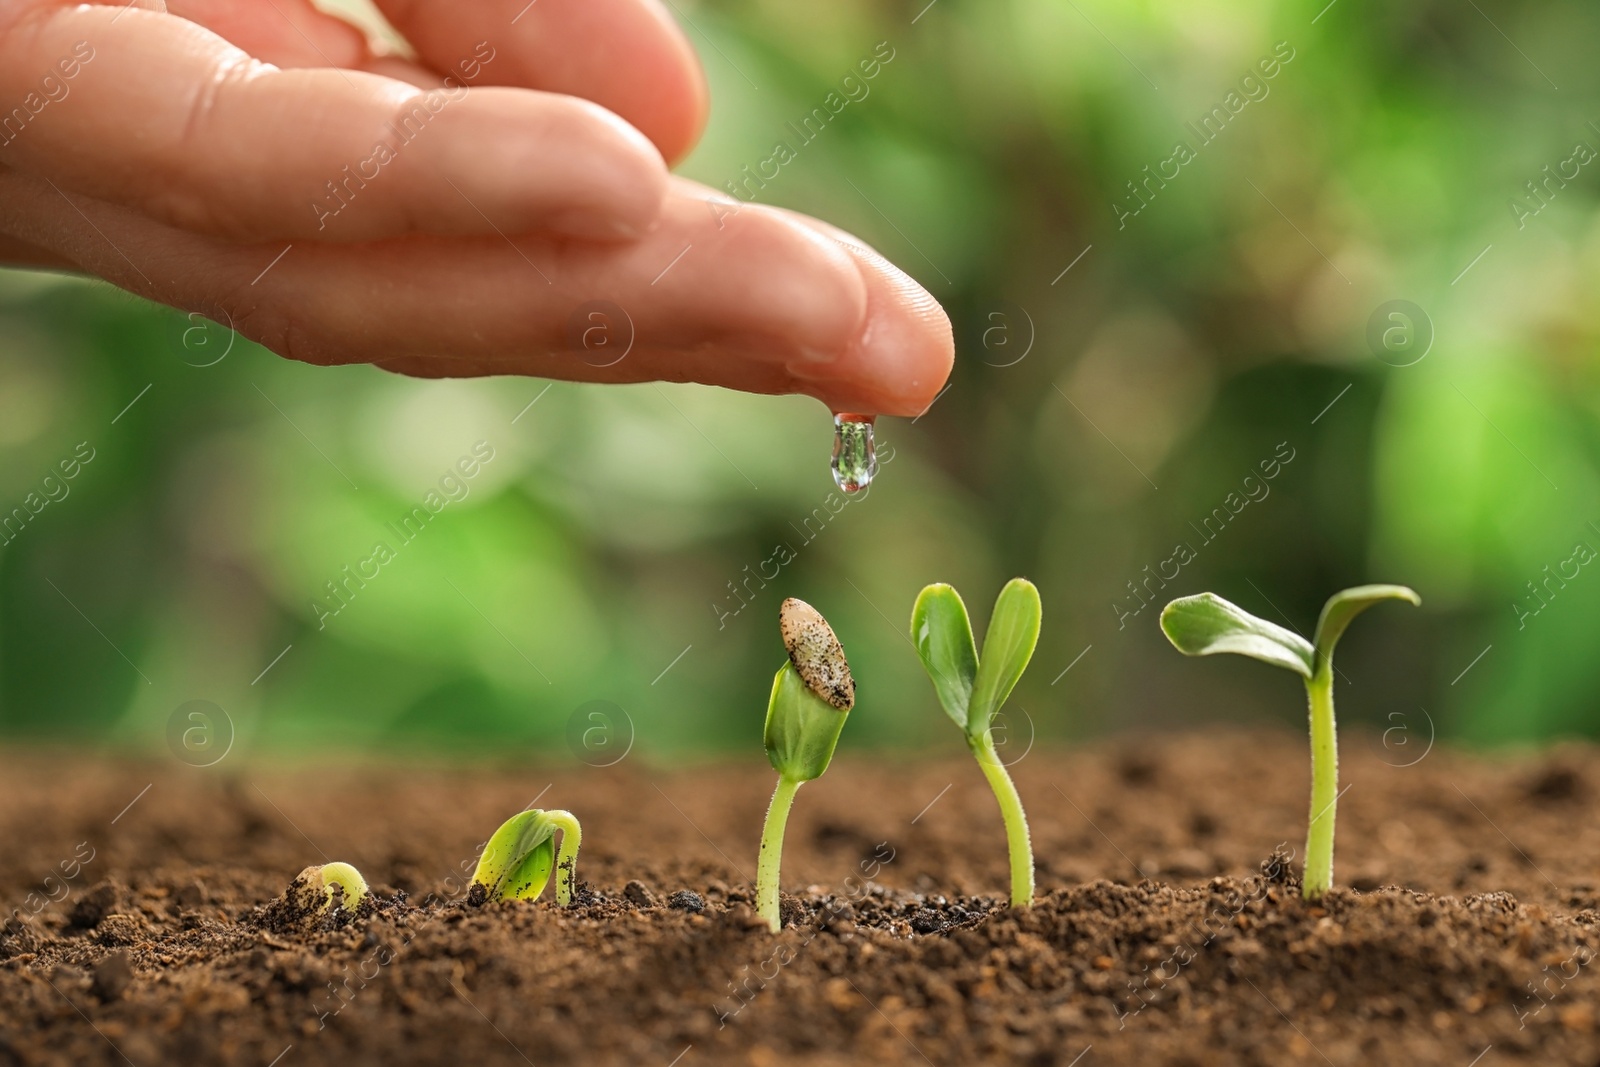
855, 460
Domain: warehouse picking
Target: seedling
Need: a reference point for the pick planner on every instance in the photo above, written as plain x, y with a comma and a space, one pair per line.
811, 695
319, 889
1204, 624
973, 688
517, 861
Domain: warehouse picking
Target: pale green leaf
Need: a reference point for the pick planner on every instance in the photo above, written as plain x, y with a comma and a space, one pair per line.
1007, 647
942, 633
511, 860
802, 729
1206, 624
1346, 605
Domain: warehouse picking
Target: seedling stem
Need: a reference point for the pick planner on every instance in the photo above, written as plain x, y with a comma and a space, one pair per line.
1018, 842
772, 849
1324, 783
973, 689
566, 855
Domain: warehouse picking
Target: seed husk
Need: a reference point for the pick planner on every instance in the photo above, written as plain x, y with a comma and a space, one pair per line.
816, 653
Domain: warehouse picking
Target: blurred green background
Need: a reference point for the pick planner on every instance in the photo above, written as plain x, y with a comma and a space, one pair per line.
1096, 417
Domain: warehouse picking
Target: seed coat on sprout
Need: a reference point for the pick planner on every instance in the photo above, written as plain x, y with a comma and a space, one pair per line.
816, 653
811, 695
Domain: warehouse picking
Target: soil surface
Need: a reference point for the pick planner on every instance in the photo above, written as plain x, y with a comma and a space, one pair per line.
143, 927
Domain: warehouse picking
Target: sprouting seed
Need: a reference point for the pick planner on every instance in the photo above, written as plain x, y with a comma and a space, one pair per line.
972, 689
1205, 624
811, 695
321, 888
517, 862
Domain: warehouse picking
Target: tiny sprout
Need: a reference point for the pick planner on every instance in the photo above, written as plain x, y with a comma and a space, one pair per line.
319, 889
1205, 624
972, 689
517, 861
811, 695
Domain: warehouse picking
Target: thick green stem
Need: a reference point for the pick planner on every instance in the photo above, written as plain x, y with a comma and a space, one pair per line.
1324, 784
767, 867
566, 855
1017, 842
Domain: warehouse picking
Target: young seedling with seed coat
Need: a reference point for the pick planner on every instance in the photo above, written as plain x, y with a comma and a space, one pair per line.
811, 695
973, 688
315, 891
517, 861
1205, 624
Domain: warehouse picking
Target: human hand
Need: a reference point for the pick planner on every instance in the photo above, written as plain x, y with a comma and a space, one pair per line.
446, 216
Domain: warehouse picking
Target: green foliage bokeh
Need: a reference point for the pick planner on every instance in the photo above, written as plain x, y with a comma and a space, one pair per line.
614, 546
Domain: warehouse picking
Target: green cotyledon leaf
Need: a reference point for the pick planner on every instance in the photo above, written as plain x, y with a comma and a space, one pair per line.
1206, 624
802, 728
511, 861
1346, 605
942, 634
1008, 645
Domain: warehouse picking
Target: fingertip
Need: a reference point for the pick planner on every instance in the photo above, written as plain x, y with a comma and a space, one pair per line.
622, 188
680, 102
903, 354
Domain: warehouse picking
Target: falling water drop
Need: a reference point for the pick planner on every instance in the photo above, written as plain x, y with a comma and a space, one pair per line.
855, 461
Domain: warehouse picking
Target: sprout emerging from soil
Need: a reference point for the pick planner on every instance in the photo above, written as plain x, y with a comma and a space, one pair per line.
517, 861
1205, 624
319, 889
811, 695
972, 689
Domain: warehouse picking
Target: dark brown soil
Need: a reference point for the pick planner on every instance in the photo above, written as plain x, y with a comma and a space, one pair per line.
1163, 934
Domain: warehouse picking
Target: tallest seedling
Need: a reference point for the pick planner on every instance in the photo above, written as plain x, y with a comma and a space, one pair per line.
1204, 624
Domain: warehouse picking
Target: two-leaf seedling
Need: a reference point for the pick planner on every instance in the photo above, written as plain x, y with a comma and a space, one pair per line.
973, 689
517, 862
811, 695
1206, 624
